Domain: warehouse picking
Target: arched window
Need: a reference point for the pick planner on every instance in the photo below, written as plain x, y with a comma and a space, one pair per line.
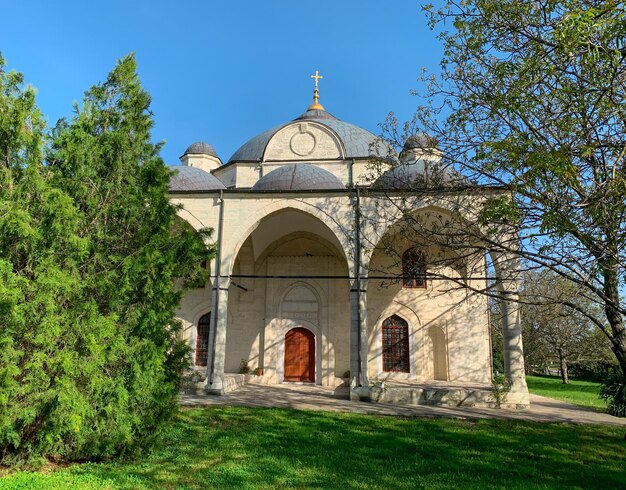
396, 345
202, 340
413, 269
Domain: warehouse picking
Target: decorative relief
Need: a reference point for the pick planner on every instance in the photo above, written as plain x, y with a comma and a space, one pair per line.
301, 141
302, 144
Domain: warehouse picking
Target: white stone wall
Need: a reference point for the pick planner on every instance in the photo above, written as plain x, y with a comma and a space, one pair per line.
312, 235
303, 140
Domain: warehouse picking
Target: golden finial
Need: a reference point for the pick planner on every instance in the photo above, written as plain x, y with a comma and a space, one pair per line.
316, 94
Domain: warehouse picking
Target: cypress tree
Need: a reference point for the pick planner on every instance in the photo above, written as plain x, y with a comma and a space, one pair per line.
93, 264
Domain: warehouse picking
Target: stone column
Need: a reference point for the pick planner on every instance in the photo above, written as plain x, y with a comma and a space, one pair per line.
214, 295
507, 272
215, 364
359, 381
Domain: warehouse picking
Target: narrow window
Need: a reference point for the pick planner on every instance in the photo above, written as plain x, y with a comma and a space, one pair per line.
413, 269
396, 345
202, 340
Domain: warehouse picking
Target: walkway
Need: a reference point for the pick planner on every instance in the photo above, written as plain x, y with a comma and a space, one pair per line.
311, 397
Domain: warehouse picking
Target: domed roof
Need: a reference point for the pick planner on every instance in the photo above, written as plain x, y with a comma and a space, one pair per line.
193, 179
418, 175
356, 141
298, 176
420, 141
200, 148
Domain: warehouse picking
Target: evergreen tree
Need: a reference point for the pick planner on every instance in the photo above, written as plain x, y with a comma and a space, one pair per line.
91, 251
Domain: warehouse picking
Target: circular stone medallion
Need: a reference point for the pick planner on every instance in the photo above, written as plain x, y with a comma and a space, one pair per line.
302, 144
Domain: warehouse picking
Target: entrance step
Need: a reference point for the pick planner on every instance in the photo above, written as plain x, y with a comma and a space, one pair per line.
193, 382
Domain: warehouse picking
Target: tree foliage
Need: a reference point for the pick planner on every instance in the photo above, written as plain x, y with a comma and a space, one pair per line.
553, 333
89, 252
531, 99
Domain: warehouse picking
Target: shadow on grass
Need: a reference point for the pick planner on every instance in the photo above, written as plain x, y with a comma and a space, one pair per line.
270, 448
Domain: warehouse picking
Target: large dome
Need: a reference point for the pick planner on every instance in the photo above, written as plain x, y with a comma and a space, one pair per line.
193, 179
357, 142
298, 176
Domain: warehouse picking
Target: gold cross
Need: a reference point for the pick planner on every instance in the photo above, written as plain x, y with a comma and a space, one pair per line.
317, 77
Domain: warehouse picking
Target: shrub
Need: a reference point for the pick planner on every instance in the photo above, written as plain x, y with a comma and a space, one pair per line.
613, 391
590, 370
500, 387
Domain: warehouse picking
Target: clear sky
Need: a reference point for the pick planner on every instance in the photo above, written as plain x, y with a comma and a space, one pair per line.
223, 71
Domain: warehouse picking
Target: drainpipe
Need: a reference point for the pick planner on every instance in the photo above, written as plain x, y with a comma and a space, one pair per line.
357, 251
351, 173
217, 284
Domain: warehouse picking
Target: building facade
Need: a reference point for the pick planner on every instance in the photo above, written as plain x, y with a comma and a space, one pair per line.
315, 280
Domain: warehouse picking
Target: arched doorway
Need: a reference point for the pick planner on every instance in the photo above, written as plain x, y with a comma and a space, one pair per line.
299, 355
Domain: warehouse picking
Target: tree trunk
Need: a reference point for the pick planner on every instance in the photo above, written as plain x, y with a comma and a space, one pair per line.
564, 371
613, 315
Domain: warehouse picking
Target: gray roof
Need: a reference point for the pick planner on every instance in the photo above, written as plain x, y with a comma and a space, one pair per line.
200, 148
356, 140
193, 179
298, 176
420, 141
419, 175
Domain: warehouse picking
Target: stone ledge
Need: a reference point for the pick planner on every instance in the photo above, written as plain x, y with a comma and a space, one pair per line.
444, 397
194, 383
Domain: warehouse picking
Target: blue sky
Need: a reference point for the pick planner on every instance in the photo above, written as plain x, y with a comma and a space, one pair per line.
224, 71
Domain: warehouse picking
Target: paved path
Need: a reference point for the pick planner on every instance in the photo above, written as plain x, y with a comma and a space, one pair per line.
308, 397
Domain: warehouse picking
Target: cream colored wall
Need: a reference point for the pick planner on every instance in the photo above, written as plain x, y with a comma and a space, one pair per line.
207, 163
442, 306
255, 321
259, 317
303, 140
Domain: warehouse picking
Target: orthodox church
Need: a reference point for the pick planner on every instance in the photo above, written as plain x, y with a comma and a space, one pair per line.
295, 292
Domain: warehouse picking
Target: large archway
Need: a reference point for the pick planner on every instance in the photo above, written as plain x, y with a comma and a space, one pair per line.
290, 272
431, 279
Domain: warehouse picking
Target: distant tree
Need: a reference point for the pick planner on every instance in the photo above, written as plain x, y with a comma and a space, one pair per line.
552, 331
531, 99
90, 250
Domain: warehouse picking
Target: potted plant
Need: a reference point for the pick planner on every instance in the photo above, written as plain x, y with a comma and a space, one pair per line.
258, 371
243, 367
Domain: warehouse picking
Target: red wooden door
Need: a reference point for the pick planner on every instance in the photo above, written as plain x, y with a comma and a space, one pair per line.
299, 355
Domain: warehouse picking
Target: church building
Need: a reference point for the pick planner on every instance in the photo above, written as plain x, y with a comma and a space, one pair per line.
315, 281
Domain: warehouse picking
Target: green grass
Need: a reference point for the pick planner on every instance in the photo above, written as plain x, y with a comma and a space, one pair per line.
272, 448
581, 393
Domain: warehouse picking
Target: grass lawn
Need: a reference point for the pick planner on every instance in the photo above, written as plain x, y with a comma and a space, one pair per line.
272, 448
582, 393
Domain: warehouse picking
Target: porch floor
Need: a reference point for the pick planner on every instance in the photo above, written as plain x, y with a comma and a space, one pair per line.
315, 397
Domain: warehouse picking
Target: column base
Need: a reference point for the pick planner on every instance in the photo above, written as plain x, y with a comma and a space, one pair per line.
360, 394
215, 388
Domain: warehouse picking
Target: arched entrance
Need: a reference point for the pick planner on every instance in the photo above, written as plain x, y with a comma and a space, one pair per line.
299, 355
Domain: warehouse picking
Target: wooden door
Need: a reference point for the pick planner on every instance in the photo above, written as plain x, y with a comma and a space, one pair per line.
299, 355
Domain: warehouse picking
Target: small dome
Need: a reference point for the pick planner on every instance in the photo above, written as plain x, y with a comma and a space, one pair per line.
419, 175
193, 179
200, 148
296, 177
420, 141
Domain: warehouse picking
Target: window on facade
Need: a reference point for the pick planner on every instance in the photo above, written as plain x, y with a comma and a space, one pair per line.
396, 345
202, 340
413, 269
